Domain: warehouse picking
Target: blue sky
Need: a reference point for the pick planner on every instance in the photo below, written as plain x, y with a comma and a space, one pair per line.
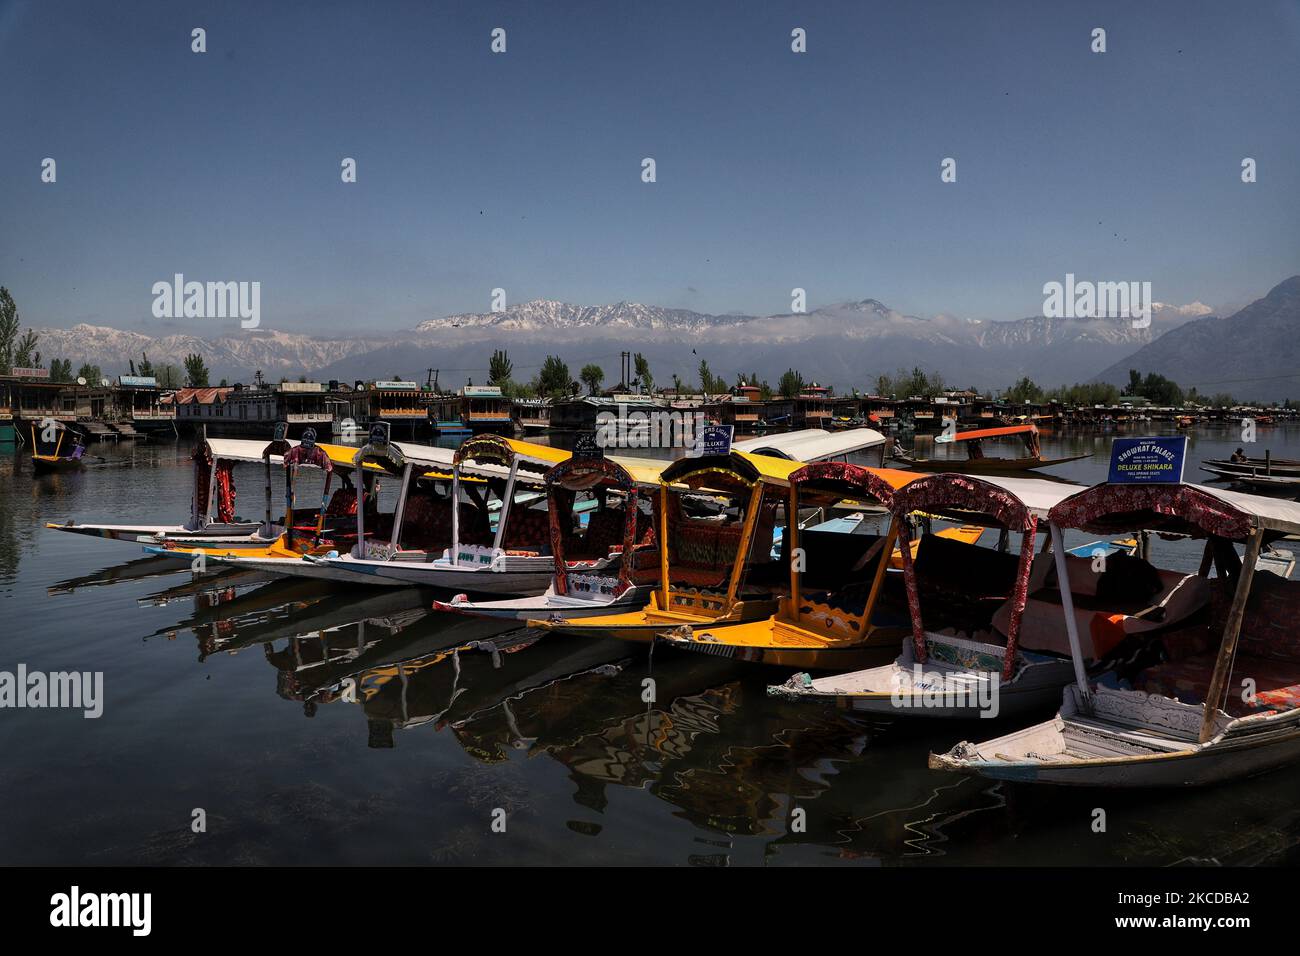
522, 170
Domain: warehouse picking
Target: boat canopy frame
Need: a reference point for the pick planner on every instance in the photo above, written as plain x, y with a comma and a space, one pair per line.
592, 474
1190, 509
842, 479
993, 499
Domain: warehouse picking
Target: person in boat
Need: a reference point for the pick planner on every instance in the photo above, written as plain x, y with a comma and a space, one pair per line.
1238, 456
899, 451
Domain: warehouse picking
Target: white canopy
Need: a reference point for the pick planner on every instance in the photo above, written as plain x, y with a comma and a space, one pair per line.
1272, 514
241, 449
1039, 495
811, 444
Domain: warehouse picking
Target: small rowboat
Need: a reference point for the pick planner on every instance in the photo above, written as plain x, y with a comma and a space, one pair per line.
56, 447
975, 462
1257, 479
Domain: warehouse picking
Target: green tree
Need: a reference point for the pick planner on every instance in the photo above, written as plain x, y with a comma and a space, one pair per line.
553, 380
25, 354
60, 370
710, 384
196, 373
8, 330
642, 369
1024, 391
592, 375
500, 368
91, 373
677, 383
169, 376
790, 384
146, 367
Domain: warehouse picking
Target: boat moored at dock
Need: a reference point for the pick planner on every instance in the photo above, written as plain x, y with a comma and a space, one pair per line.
1181, 721
966, 655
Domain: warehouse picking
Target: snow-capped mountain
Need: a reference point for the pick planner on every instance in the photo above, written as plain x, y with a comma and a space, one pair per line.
233, 355
546, 315
848, 343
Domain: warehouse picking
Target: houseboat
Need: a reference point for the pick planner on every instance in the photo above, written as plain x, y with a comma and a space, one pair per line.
483, 409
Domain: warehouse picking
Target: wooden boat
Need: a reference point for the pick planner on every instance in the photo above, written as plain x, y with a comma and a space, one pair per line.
597, 594
1283, 482
1155, 728
56, 446
829, 619
714, 571
212, 517
462, 552
972, 659
976, 463
1268, 465
582, 584
321, 530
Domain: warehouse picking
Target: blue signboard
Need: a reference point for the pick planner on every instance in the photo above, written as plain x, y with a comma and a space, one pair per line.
713, 440
1147, 461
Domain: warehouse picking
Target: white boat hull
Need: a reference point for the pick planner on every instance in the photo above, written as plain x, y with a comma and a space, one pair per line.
894, 690
544, 605
153, 533
1131, 740
298, 568
439, 574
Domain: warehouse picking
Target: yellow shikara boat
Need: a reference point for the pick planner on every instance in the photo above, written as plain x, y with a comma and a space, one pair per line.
714, 571
325, 527
830, 618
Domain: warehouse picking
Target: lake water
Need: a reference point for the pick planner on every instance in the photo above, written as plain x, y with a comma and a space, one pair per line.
221, 695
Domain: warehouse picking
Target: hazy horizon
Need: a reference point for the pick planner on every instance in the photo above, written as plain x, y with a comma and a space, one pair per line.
522, 170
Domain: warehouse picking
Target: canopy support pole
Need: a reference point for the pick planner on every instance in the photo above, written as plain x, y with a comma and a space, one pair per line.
401, 507
506, 505
455, 515
913, 597
1231, 631
663, 542
1067, 605
792, 549
1019, 595
746, 539
362, 494
878, 582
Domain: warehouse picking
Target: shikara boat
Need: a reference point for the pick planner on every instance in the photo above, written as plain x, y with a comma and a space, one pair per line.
212, 517
433, 544
715, 570
56, 446
582, 592
976, 463
1221, 698
584, 582
319, 530
830, 620
971, 658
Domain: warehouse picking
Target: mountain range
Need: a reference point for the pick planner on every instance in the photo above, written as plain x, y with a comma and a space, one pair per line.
847, 345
